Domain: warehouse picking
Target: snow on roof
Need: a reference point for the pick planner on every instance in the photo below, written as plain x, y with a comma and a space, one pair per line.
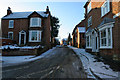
23, 15
81, 29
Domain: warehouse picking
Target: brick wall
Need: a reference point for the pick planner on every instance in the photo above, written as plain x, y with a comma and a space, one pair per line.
97, 19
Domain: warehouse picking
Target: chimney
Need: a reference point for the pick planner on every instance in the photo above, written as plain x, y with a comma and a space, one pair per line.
9, 11
47, 9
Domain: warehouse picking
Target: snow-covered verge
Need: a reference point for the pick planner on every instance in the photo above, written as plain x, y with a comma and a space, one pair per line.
14, 60
17, 47
90, 64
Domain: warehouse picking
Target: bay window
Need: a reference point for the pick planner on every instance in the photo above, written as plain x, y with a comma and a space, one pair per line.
35, 22
106, 38
34, 36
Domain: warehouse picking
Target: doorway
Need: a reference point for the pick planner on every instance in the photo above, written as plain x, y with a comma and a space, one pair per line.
22, 37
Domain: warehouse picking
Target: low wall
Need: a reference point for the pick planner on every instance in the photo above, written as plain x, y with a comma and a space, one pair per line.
22, 52
5, 41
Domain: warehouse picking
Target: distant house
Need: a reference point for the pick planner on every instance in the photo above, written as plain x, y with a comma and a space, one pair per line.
27, 28
64, 41
78, 39
103, 28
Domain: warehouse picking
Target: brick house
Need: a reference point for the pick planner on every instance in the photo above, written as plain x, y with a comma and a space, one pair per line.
103, 28
78, 35
27, 28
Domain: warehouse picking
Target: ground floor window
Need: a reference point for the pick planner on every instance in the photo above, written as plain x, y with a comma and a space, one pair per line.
10, 35
35, 36
88, 41
106, 38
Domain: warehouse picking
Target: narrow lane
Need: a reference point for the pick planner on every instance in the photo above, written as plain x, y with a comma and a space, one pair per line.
62, 63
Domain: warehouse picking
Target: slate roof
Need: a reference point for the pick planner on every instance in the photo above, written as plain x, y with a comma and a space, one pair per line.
89, 30
16, 15
106, 20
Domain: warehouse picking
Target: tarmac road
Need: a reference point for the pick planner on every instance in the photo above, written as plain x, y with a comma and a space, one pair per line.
62, 63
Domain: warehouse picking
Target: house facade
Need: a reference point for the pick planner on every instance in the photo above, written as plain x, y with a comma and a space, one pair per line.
103, 28
78, 35
27, 28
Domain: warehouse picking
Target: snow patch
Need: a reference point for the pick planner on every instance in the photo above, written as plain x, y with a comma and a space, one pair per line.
17, 47
99, 68
14, 60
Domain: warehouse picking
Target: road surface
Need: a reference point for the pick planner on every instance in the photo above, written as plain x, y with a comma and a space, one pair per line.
61, 63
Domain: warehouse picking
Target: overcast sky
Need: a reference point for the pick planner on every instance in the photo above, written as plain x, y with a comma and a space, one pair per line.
69, 13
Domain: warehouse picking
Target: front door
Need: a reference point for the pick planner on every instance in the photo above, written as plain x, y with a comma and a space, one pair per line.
95, 42
22, 38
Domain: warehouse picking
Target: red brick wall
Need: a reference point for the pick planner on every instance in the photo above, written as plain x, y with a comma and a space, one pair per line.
24, 24
97, 19
19, 24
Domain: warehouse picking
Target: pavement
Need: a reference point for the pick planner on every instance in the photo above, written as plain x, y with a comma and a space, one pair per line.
64, 63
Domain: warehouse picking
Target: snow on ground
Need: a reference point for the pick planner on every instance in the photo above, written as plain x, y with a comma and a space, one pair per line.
89, 63
17, 47
13, 60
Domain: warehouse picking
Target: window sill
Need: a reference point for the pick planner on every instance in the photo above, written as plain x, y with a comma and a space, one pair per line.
88, 47
34, 41
10, 27
35, 26
105, 47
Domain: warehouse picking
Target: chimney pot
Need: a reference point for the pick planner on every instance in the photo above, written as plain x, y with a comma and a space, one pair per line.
9, 11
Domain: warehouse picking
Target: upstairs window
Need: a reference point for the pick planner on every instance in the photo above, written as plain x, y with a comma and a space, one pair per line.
89, 7
105, 8
11, 23
10, 35
35, 22
89, 21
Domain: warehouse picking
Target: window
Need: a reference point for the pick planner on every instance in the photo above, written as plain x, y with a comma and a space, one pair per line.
89, 21
89, 7
35, 36
88, 41
10, 35
35, 22
103, 37
106, 38
105, 8
11, 23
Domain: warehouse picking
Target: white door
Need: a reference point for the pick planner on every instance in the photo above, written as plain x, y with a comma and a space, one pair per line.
95, 43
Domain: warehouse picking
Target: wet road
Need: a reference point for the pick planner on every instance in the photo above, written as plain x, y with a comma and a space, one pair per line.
61, 63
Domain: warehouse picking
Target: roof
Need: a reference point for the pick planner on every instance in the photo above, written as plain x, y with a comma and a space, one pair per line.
89, 30
87, 3
81, 29
106, 20
15, 15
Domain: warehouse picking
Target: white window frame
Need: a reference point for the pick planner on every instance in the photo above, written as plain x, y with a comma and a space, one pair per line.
90, 45
105, 8
109, 47
89, 21
38, 37
89, 7
10, 23
39, 22
10, 33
